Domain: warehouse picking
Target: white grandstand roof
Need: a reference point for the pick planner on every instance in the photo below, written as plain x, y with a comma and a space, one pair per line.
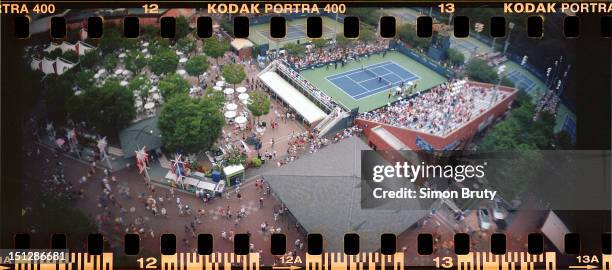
390, 138
296, 100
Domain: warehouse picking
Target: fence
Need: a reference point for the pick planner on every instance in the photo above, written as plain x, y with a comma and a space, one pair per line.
422, 60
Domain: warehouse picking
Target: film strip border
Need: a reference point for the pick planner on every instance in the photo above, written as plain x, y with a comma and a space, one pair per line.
327, 261
278, 243
314, 27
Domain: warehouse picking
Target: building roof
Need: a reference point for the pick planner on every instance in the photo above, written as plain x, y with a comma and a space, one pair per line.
139, 134
240, 43
296, 100
389, 138
323, 192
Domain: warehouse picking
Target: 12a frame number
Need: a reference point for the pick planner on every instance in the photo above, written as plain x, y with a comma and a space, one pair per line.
151, 8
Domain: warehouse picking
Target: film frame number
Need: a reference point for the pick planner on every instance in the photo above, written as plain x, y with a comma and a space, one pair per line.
447, 7
147, 263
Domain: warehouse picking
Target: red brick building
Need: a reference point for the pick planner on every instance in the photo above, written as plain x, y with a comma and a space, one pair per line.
383, 136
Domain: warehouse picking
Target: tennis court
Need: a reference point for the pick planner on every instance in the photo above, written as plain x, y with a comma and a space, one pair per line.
352, 87
296, 30
521, 81
464, 45
372, 79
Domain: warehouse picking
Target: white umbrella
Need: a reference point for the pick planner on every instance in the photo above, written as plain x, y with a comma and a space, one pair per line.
118, 71
153, 89
230, 114
97, 75
181, 72
156, 96
122, 55
149, 105
145, 50
182, 60
220, 83
217, 88
102, 71
243, 96
228, 91
146, 44
126, 72
240, 119
241, 89
123, 83
179, 53
231, 106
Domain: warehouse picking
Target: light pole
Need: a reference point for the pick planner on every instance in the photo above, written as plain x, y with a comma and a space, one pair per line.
500, 72
102, 147
510, 27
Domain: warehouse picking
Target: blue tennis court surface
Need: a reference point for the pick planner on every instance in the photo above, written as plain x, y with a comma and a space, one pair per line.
360, 83
521, 81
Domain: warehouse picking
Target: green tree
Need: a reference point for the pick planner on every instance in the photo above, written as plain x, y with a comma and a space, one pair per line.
455, 57
366, 34
112, 39
149, 31
407, 33
342, 41
215, 48
109, 108
135, 61
164, 62
189, 125
295, 49
369, 15
259, 104
233, 73
319, 42
173, 85
480, 70
141, 85
55, 53
58, 91
182, 27
110, 62
84, 78
186, 45
196, 65
90, 59
71, 56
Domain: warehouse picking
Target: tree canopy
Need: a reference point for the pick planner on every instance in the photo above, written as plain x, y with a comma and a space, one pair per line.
110, 62
182, 27
189, 125
233, 73
135, 61
164, 62
366, 34
186, 44
455, 57
215, 48
58, 90
295, 49
259, 103
407, 33
173, 85
90, 59
197, 65
479, 70
107, 108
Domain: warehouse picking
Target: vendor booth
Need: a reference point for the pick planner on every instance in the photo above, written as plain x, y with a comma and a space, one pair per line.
234, 174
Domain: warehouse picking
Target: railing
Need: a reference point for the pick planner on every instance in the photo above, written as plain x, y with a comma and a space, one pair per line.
320, 97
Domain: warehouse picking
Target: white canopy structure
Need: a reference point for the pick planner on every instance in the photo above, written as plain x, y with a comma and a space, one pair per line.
302, 105
390, 138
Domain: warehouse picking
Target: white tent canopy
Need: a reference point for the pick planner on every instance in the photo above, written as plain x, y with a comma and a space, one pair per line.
390, 139
302, 105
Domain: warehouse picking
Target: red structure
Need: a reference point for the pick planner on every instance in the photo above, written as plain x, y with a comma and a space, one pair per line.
401, 138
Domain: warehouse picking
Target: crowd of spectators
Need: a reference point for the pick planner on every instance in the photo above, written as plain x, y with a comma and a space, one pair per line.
547, 103
306, 85
439, 110
326, 55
